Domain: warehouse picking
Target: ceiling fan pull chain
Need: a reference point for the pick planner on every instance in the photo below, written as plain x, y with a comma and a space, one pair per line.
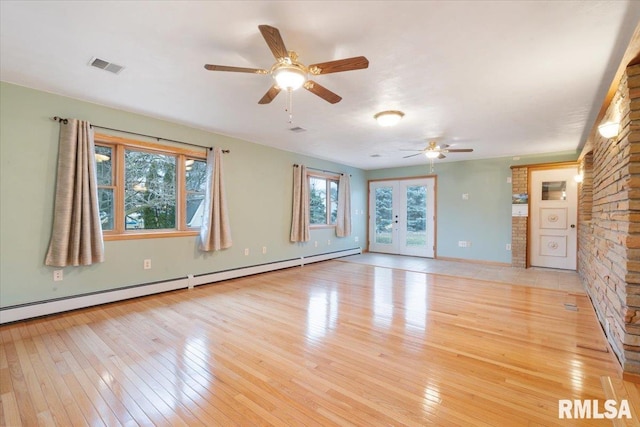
289, 108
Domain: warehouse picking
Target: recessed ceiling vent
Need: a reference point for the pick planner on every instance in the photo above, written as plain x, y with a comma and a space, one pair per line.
105, 65
298, 129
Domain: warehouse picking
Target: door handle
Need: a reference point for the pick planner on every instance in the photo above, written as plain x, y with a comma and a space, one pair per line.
573, 226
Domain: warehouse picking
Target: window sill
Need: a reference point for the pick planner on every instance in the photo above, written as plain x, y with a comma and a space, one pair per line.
319, 226
149, 235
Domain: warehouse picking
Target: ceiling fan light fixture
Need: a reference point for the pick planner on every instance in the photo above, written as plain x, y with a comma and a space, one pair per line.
389, 118
432, 154
609, 129
289, 76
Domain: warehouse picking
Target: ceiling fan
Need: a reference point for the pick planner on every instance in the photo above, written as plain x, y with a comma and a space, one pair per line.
434, 151
290, 74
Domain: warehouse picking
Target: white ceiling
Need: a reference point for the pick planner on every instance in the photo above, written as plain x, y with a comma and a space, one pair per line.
503, 78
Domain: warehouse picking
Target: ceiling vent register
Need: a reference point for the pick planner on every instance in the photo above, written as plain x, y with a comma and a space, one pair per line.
105, 65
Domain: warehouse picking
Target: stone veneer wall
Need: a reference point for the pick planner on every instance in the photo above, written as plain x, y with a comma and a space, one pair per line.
519, 176
609, 255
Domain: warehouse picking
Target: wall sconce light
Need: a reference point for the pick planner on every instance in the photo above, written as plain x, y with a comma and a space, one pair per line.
389, 118
578, 178
609, 129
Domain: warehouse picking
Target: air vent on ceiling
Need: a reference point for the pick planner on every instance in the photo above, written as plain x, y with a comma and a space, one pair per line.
297, 129
105, 65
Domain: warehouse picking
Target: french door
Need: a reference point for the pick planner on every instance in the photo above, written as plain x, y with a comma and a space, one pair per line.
402, 217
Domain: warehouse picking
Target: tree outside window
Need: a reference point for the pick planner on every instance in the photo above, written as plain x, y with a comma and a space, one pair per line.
323, 200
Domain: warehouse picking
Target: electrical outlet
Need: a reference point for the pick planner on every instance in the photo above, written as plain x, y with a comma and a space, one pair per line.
264, 249
356, 238
147, 264
246, 251
329, 242
462, 244
508, 180
465, 196
508, 246
58, 275
315, 243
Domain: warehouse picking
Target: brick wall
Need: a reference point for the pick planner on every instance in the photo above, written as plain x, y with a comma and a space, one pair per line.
519, 224
609, 255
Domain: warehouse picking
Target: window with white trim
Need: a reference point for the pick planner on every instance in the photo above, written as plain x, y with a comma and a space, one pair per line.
148, 190
323, 199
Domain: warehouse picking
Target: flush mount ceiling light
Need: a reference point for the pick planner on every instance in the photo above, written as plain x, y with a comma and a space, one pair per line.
389, 118
609, 129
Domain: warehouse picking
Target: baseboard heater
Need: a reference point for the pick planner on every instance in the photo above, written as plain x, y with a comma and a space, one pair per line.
59, 305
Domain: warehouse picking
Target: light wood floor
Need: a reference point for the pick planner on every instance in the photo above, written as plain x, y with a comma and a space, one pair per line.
333, 343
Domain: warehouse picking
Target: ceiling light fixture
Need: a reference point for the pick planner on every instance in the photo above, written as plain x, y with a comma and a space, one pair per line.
289, 76
431, 154
389, 118
609, 129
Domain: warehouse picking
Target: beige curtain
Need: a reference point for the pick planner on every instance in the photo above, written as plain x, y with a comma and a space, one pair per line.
76, 238
300, 211
215, 232
343, 221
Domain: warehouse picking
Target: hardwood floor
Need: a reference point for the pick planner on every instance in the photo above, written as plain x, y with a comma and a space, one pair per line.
332, 343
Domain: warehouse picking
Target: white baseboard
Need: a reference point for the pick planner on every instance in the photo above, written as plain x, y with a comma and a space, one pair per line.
44, 308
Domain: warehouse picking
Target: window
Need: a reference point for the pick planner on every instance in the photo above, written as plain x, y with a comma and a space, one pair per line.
148, 190
323, 200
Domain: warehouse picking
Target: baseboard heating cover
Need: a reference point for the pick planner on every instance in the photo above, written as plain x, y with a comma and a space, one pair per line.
43, 308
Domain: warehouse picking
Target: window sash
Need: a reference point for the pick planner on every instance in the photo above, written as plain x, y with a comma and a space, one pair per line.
329, 202
118, 146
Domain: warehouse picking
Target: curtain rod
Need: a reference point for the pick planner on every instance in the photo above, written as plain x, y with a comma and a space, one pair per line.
321, 170
65, 121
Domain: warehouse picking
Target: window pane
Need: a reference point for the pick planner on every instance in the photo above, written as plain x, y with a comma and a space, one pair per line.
384, 215
105, 199
196, 174
318, 200
196, 179
104, 165
150, 190
554, 190
416, 215
333, 187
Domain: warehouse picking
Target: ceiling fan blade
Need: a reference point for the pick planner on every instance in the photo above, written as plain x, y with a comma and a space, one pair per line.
412, 155
322, 92
442, 156
407, 149
459, 150
212, 67
340, 65
270, 95
274, 41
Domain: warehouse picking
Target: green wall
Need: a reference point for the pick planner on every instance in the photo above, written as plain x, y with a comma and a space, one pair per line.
259, 189
259, 186
485, 218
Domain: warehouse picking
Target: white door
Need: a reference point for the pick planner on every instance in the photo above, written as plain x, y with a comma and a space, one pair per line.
554, 215
402, 217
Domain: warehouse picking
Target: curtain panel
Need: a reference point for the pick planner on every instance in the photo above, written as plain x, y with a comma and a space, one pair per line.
76, 238
343, 221
300, 208
215, 232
